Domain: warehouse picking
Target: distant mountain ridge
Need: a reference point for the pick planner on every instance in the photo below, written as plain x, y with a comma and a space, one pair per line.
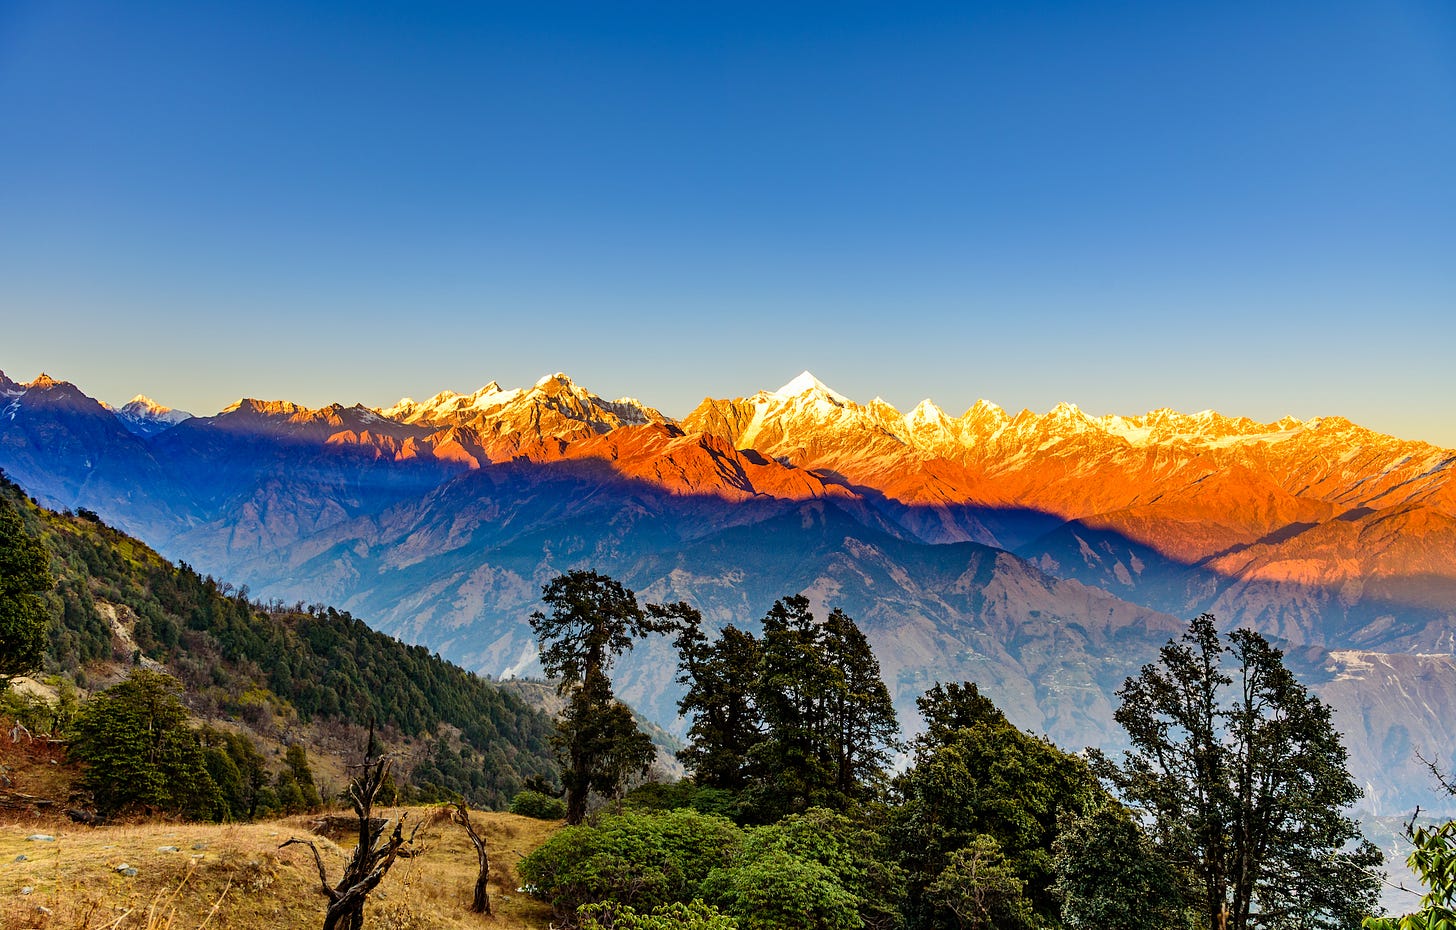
1044, 556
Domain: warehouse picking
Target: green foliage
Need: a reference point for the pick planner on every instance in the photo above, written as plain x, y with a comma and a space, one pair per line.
1110, 876
947, 708
139, 753
241, 773
274, 666
1433, 860
780, 891
985, 779
694, 915
1242, 772
538, 805
638, 859
831, 724
854, 857
593, 618
720, 678
25, 578
297, 761
666, 796
798, 719
982, 889
598, 743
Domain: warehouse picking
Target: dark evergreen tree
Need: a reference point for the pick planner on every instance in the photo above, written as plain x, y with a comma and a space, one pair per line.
139, 753
1242, 772
593, 619
1110, 876
975, 775
829, 719
720, 677
297, 759
947, 708
25, 577
861, 717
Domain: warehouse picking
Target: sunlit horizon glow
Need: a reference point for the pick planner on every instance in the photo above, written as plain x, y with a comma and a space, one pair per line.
1245, 209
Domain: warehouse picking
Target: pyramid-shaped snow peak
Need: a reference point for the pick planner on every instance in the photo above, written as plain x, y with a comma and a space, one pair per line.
806, 383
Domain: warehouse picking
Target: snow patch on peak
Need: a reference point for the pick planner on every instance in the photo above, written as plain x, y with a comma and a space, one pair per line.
144, 407
927, 414
559, 378
806, 383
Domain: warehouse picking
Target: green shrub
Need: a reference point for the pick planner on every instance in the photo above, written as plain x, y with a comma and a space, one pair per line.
641, 860
660, 796
695, 915
779, 891
538, 805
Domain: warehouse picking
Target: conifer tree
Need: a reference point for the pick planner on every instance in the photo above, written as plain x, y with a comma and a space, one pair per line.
24, 578
593, 619
140, 753
719, 677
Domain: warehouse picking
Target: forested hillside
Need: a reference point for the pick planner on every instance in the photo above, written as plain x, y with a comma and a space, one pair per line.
280, 671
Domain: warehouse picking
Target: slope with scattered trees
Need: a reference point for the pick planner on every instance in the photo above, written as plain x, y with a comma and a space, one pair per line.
273, 670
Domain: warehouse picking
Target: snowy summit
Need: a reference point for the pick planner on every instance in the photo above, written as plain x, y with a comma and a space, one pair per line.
806, 383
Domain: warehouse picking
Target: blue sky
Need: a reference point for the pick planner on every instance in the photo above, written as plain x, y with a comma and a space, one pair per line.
1244, 206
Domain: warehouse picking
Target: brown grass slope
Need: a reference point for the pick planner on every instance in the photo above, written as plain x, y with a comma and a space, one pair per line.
235, 876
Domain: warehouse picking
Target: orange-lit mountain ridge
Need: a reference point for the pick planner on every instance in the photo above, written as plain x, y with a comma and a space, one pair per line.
1044, 556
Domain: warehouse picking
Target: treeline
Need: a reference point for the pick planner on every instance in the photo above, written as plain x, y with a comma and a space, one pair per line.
276, 667
1227, 813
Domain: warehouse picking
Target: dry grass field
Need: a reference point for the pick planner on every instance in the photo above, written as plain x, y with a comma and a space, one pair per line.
235, 876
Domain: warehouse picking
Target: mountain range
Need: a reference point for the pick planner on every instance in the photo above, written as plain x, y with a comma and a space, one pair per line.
1044, 556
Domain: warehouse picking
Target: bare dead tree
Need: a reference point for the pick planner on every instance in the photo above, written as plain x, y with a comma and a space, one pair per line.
375, 853
461, 815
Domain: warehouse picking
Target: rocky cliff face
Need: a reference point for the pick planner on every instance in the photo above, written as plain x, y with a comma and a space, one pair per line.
1043, 556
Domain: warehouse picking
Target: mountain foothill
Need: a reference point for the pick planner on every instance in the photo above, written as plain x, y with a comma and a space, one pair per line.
1045, 557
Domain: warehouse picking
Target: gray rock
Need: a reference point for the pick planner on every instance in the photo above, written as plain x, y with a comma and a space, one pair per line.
168, 849
22, 858
41, 838
26, 890
126, 870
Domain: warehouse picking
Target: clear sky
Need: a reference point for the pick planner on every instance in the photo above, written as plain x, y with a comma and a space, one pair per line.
1238, 205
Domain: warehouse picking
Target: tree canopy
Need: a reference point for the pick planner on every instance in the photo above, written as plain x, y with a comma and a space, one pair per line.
25, 577
140, 753
593, 618
798, 718
1244, 777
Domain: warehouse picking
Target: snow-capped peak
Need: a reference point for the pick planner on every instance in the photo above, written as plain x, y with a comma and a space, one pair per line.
926, 412
145, 417
806, 383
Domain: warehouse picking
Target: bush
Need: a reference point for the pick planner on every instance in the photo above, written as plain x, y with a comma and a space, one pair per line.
779, 891
695, 915
538, 805
659, 796
639, 860
818, 869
